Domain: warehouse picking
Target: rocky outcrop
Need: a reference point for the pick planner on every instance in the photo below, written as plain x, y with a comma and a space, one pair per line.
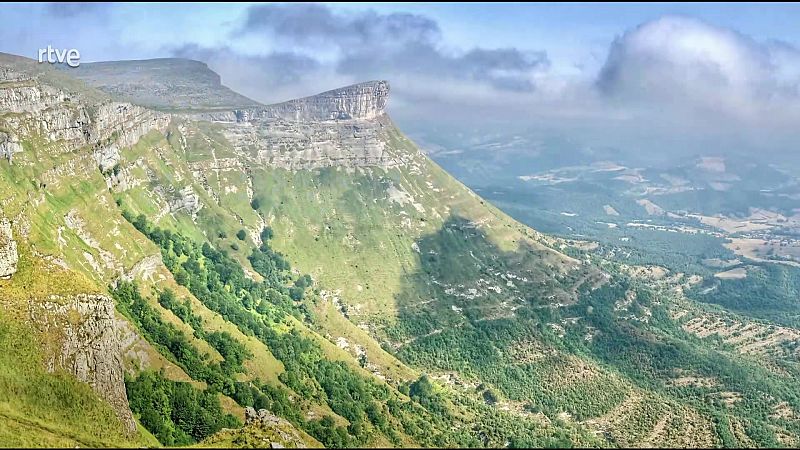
262, 417
187, 201
262, 429
361, 101
80, 332
338, 128
8, 146
308, 145
8, 250
63, 112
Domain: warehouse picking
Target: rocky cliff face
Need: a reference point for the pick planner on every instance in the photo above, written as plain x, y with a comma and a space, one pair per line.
8, 146
72, 130
361, 101
81, 332
8, 250
338, 128
30, 105
313, 145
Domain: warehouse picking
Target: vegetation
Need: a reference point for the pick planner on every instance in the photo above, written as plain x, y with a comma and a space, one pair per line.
263, 308
176, 413
769, 291
54, 409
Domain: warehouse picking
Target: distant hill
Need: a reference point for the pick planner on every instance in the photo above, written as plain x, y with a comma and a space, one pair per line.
168, 83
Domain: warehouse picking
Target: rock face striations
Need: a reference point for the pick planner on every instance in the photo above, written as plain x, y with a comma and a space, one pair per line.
83, 331
68, 115
63, 131
359, 101
57, 129
339, 128
31, 105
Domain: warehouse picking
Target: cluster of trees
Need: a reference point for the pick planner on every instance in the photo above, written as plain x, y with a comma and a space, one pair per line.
176, 413
770, 291
175, 345
220, 283
650, 354
260, 308
233, 352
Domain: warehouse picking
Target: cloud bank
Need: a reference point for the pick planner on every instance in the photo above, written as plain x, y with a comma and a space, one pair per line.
683, 63
317, 43
673, 84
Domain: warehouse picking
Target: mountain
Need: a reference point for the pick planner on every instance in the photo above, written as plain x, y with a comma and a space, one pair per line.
179, 258
167, 83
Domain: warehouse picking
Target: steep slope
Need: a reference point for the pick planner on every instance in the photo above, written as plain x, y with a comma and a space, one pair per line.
406, 256
429, 317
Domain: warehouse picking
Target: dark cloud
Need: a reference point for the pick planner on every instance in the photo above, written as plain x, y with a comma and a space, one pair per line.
369, 45
313, 23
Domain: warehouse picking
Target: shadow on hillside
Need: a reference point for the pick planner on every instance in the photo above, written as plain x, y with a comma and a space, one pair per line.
465, 282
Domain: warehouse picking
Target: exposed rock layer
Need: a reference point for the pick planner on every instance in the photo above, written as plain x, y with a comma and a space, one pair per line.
82, 333
8, 250
357, 102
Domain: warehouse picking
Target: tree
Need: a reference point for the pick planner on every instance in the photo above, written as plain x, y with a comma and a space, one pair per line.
241, 234
266, 234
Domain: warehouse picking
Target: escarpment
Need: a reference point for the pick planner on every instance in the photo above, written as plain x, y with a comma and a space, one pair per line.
31, 106
57, 133
340, 128
359, 101
81, 332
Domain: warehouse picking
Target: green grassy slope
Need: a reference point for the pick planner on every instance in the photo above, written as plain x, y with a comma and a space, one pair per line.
433, 318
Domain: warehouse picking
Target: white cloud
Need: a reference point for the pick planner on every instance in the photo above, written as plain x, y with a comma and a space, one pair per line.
684, 63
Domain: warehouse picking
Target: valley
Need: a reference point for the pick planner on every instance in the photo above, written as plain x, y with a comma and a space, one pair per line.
208, 270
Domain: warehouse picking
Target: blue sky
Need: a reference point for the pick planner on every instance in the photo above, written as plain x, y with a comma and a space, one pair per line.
687, 68
571, 33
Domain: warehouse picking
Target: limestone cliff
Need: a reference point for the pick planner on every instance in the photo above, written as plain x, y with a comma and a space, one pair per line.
339, 128
81, 332
359, 101
59, 130
66, 113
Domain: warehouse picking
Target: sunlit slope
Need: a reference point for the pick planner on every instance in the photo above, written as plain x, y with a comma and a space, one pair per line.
413, 274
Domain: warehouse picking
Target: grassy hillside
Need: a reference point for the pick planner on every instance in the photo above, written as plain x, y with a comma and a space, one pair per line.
365, 305
44, 409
